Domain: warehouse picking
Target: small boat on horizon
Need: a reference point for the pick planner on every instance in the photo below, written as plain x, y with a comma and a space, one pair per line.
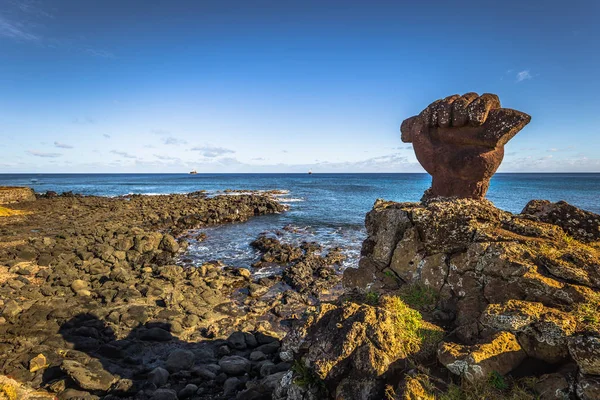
193, 172
310, 172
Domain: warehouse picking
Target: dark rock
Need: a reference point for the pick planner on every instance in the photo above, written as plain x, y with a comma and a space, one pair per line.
164, 394
90, 377
237, 340
155, 334
180, 360
188, 391
579, 224
158, 376
234, 365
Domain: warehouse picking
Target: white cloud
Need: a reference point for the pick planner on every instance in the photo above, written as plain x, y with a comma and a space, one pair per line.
523, 75
166, 158
123, 154
43, 154
173, 140
212, 152
62, 145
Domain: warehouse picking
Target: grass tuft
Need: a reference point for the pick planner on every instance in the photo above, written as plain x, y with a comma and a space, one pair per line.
587, 314
419, 296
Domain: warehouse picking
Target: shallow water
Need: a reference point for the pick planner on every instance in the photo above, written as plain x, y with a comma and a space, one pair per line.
328, 208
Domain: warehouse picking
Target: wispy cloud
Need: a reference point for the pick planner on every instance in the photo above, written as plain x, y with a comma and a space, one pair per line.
107, 136
43, 154
25, 20
123, 154
212, 152
99, 53
166, 158
84, 121
62, 145
173, 140
160, 132
16, 30
31, 7
523, 75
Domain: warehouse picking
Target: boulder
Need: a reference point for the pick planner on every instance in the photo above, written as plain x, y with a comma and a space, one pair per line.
349, 347
580, 224
234, 365
500, 353
180, 359
90, 377
585, 350
158, 376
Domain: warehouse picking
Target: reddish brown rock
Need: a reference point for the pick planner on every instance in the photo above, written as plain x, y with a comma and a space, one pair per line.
460, 142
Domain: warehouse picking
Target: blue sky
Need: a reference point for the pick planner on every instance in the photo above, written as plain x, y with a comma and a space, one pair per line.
284, 86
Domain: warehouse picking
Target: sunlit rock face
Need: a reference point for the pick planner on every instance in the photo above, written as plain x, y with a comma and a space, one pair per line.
9, 195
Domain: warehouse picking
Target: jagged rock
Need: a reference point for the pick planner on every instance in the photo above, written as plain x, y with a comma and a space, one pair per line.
580, 224
460, 142
542, 331
553, 387
585, 350
588, 387
351, 346
91, 376
501, 353
513, 285
169, 244
38, 362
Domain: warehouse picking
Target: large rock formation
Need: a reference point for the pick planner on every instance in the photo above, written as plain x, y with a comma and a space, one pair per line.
460, 142
497, 276
516, 295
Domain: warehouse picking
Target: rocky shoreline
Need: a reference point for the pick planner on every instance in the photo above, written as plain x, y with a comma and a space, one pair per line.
93, 304
452, 300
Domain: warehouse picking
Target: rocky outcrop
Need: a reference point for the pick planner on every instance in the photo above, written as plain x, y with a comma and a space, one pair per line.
579, 224
349, 350
10, 194
305, 268
459, 140
508, 287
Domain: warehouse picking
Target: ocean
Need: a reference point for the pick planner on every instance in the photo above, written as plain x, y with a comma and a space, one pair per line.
328, 208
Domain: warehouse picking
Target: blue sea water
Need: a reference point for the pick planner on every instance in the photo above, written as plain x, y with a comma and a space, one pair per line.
329, 208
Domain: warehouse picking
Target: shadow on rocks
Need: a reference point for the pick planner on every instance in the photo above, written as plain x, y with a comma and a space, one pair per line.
151, 364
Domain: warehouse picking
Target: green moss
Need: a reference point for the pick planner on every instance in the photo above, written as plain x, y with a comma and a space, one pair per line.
372, 298
305, 377
588, 314
496, 387
419, 296
407, 323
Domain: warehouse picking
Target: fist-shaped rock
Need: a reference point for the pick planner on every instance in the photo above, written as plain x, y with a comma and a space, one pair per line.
460, 141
